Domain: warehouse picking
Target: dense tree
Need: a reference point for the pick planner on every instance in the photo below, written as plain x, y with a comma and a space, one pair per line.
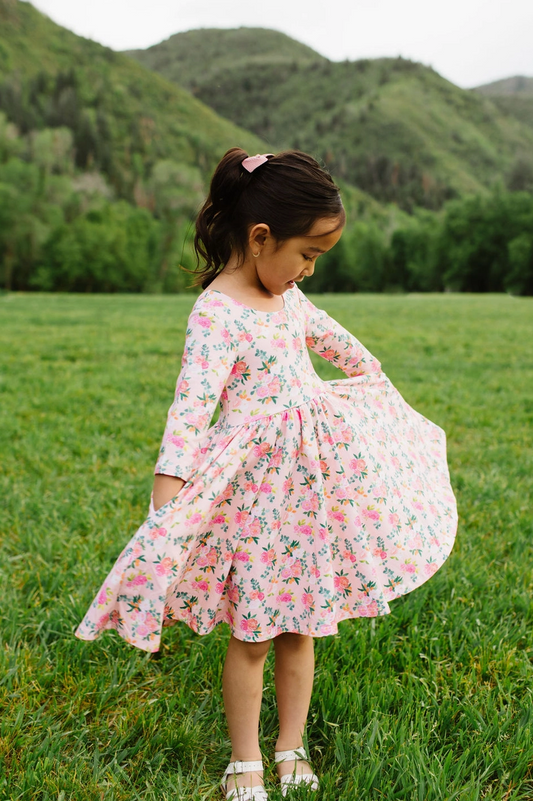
476, 240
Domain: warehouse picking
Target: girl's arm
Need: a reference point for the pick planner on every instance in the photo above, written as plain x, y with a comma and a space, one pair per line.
165, 488
207, 362
330, 340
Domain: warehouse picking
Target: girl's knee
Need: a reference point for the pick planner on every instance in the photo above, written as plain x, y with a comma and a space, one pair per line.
251, 650
293, 640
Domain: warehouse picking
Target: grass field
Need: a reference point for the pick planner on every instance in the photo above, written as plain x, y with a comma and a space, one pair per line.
432, 703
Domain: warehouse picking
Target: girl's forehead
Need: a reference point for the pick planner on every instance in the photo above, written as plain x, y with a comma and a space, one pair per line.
325, 226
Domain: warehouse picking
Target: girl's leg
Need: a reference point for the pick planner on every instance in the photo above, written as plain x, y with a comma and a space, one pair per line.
242, 686
295, 664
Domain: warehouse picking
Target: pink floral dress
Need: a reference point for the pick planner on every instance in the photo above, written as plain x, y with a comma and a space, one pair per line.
307, 503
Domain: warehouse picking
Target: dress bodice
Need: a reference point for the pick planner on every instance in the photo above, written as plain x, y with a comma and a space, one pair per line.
272, 370
255, 363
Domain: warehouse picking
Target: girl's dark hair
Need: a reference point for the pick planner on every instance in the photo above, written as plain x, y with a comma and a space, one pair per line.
288, 193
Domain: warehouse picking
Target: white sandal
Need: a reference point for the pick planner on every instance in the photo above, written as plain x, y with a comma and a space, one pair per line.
294, 779
257, 793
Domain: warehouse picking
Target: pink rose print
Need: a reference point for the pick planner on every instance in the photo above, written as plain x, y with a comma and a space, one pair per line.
306, 530
261, 450
358, 466
240, 368
138, 580
164, 568
204, 364
154, 533
368, 610
311, 503
341, 583
249, 625
308, 501
284, 598
292, 571
268, 557
233, 594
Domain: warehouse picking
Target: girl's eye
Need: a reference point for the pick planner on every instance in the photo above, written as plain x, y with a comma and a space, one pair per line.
307, 258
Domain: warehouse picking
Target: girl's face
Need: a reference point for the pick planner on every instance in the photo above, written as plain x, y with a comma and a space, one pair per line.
279, 266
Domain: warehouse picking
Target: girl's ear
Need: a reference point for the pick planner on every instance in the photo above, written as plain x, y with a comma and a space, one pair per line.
257, 237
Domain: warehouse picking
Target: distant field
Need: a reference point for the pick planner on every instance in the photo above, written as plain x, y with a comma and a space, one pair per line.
431, 703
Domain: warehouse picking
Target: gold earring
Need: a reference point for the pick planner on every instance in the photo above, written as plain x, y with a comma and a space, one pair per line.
256, 255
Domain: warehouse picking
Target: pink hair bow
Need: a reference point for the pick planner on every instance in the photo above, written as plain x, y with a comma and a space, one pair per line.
253, 162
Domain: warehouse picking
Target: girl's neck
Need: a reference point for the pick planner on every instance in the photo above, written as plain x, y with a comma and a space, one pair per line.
241, 283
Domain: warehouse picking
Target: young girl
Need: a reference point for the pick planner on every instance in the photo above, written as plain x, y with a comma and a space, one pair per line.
309, 501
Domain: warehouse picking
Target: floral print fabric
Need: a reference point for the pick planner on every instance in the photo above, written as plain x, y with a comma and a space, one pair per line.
308, 502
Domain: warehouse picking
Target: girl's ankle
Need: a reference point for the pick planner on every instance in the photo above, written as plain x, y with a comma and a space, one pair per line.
250, 756
289, 745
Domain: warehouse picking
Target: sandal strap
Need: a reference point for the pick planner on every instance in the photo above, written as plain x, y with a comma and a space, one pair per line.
243, 767
257, 793
296, 755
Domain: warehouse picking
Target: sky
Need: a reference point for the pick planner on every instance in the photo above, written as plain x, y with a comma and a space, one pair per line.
470, 42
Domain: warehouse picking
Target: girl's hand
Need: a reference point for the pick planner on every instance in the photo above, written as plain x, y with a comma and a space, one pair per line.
166, 488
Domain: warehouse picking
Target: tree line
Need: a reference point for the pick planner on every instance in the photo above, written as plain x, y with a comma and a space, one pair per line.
63, 228
480, 243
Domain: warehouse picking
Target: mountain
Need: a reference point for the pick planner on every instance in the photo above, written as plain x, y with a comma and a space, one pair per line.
124, 119
103, 165
395, 128
184, 57
517, 85
513, 96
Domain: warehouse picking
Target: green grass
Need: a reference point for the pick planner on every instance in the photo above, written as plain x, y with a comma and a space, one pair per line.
431, 703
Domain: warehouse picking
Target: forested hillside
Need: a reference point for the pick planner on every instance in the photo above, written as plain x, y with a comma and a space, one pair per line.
394, 128
94, 147
513, 96
103, 163
200, 56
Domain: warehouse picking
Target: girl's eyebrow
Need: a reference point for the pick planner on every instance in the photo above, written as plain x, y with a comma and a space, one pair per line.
315, 250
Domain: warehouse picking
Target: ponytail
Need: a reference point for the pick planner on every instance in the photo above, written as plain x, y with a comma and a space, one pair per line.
288, 193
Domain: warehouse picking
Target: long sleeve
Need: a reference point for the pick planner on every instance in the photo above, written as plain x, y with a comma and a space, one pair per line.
329, 339
206, 365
